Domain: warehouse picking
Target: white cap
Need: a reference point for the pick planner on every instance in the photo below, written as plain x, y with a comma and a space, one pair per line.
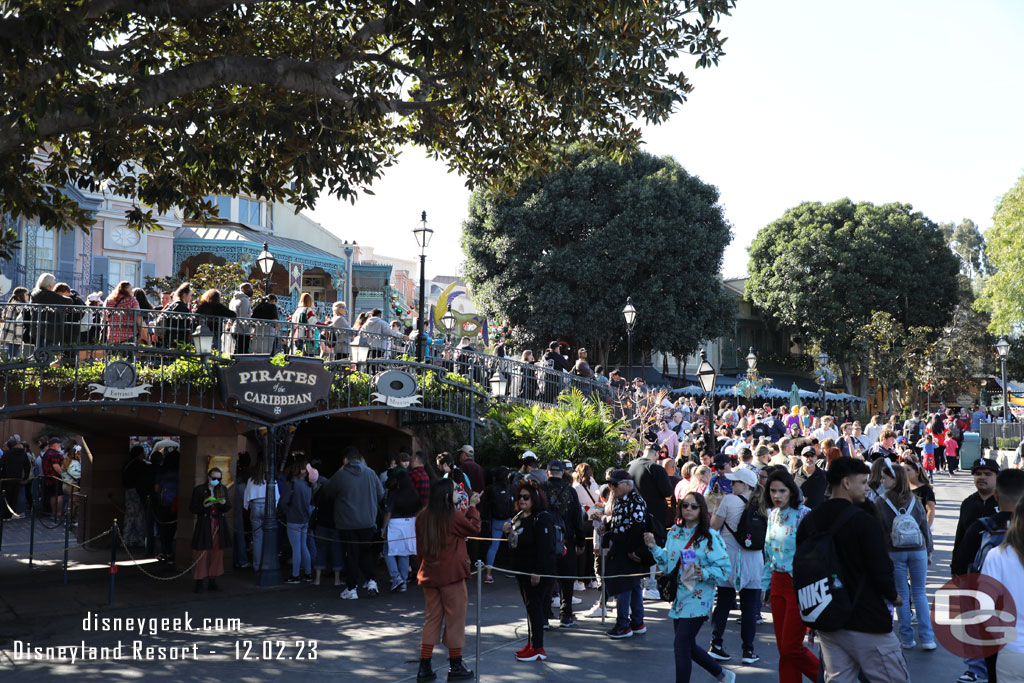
743, 474
528, 454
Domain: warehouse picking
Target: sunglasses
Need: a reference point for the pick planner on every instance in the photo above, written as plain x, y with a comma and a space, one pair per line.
524, 496
689, 506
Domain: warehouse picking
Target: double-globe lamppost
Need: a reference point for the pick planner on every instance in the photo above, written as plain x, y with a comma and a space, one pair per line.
448, 321
706, 376
423, 234
1003, 349
629, 315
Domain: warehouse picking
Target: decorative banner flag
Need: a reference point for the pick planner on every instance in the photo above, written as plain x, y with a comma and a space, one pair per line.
294, 278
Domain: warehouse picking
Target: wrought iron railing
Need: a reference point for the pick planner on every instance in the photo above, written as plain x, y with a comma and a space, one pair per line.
53, 354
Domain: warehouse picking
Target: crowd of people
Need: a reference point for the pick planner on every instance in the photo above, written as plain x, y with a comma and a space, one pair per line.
50, 478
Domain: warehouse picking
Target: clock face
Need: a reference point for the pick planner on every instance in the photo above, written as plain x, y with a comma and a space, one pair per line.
119, 375
125, 236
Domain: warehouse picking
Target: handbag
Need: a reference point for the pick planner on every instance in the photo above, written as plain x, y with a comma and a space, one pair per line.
668, 584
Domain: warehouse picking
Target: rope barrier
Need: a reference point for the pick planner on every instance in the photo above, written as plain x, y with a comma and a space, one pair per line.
154, 576
566, 578
61, 549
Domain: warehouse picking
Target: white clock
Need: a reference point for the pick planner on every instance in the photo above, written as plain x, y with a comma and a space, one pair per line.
125, 236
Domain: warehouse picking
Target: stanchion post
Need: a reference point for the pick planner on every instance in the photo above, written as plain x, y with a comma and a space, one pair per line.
3, 512
32, 531
113, 559
67, 539
479, 600
604, 591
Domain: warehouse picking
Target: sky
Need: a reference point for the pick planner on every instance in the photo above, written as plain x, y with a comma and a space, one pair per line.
916, 101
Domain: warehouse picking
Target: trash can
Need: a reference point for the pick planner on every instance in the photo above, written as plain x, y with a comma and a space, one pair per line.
970, 451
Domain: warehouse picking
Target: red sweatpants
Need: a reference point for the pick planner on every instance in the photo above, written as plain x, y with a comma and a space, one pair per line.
794, 658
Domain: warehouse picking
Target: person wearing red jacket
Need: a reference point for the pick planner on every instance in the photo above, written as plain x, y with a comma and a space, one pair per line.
441, 531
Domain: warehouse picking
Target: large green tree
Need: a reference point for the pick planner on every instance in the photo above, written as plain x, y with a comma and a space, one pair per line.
1003, 296
827, 269
170, 100
558, 258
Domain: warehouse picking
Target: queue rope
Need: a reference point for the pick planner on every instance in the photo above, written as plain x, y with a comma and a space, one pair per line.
61, 549
141, 568
565, 578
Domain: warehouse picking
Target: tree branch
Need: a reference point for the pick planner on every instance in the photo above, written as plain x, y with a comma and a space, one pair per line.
282, 73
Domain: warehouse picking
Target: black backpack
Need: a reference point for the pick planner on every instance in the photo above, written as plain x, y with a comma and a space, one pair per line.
752, 527
824, 599
915, 432
502, 505
559, 505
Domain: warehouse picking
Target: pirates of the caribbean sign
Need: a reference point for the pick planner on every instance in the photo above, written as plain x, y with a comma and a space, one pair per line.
262, 388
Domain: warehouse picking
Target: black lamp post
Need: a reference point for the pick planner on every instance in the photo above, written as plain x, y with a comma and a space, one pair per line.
423, 234
1003, 349
629, 314
706, 376
265, 262
822, 364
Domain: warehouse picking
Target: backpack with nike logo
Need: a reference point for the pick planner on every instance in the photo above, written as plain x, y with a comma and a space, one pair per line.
824, 598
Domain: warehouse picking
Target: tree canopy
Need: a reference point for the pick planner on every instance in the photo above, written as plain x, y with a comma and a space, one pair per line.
557, 259
827, 269
168, 101
1003, 296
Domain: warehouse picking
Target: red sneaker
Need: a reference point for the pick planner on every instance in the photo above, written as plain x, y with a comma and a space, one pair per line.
528, 654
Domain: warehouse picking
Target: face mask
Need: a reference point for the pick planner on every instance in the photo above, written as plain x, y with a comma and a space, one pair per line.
214, 483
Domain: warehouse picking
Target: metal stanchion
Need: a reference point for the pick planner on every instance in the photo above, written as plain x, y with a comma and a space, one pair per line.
479, 600
67, 538
32, 530
604, 591
113, 559
3, 513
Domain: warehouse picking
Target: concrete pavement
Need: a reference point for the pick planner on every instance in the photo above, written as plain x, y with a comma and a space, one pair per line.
281, 630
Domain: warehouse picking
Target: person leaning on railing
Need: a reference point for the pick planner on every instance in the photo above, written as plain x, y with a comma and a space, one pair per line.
125, 325
215, 314
47, 327
265, 333
14, 330
172, 324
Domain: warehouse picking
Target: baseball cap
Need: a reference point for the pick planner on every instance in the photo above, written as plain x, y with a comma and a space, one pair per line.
747, 476
468, 450
528, 455
808, 450
54, 439
556, 466
745, 434
985, 464
618, 476
721, 460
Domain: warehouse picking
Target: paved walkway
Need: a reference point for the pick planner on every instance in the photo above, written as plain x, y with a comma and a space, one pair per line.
363, 640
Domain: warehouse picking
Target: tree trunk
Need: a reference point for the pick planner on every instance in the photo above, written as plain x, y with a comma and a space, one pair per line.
844, 369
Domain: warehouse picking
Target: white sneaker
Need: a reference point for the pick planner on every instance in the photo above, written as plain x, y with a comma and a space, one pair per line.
595, 611
728, 677
929, 645
651, 594
577, 601
371, 588
594, 584
349, 594
579, 586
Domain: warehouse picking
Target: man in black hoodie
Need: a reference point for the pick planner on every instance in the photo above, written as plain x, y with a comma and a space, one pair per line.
866, 642
565, 505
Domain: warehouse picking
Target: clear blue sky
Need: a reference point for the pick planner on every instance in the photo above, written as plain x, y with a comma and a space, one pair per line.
917, 101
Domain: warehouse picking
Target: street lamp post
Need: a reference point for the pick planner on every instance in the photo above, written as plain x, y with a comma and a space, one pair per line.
423, 234
1003, 349
822, 364
629, 314
706, 376
448, 320
265, 262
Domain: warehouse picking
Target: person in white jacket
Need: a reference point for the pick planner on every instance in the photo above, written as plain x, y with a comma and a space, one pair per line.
241, 305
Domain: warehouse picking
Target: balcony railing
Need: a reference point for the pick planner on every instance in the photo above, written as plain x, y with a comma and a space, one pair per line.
59, 354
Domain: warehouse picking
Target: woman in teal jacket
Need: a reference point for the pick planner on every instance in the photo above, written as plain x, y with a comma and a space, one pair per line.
693, 542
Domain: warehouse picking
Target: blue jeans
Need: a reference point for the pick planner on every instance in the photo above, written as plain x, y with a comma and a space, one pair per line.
978, 667
256, 510
492, 552
916, 563
398, 566
328, 550
300, 551
687, 651
629, 606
